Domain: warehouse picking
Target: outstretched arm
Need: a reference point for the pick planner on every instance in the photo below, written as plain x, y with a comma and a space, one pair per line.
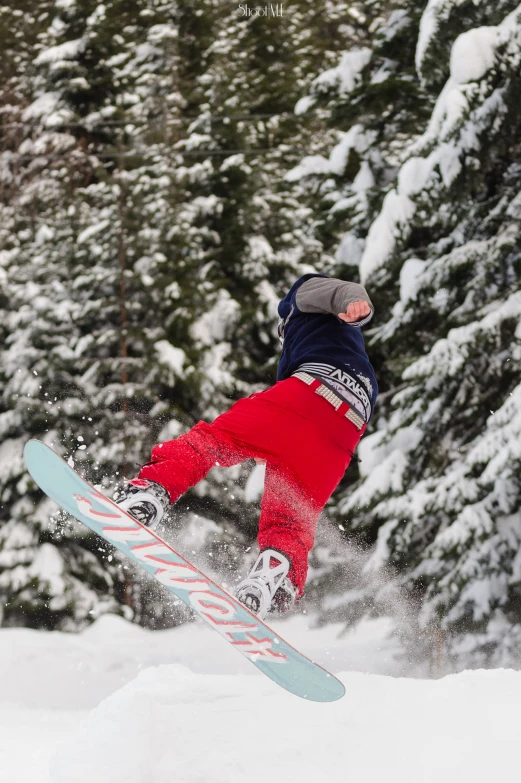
348, 301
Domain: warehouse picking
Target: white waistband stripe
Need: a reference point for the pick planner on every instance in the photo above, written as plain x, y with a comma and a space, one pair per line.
330, 397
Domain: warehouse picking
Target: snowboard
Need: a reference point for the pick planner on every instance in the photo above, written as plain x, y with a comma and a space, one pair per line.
271, 655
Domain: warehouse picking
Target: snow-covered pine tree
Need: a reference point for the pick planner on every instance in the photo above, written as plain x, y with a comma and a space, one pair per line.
371, 102
450, 441
245, 230
138, 255
83, 231
439, 471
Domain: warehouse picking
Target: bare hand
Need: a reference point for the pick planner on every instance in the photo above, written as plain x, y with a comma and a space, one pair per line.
355, 312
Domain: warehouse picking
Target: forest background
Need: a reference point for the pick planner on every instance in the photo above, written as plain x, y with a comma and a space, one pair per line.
167, 170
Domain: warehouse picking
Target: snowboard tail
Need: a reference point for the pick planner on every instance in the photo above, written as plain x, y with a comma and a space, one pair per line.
271, 655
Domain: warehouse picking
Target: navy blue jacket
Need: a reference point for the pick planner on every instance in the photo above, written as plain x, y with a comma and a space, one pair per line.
327, 348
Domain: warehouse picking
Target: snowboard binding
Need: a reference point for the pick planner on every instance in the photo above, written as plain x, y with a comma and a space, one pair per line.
145, 500
267, 587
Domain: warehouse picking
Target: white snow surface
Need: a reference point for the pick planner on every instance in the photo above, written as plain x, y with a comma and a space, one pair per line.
119, 704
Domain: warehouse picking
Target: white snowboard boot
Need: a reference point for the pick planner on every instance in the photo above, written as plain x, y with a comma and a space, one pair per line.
267, 587
144, 500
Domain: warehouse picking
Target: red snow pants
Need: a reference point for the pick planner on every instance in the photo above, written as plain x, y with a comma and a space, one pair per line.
307, 447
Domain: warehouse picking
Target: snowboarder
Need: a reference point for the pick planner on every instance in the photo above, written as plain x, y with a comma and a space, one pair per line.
305, 428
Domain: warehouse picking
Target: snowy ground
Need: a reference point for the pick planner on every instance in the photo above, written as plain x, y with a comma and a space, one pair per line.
118, 704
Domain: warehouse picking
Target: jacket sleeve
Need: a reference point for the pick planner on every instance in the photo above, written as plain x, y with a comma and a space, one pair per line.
328, 295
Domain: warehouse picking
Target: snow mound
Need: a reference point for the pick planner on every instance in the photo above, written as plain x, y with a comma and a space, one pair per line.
171, 723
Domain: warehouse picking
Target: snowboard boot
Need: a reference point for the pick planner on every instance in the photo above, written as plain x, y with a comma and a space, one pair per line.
144, 500
267, 587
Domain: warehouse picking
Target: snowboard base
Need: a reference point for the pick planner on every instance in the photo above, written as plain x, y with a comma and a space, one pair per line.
271, 655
